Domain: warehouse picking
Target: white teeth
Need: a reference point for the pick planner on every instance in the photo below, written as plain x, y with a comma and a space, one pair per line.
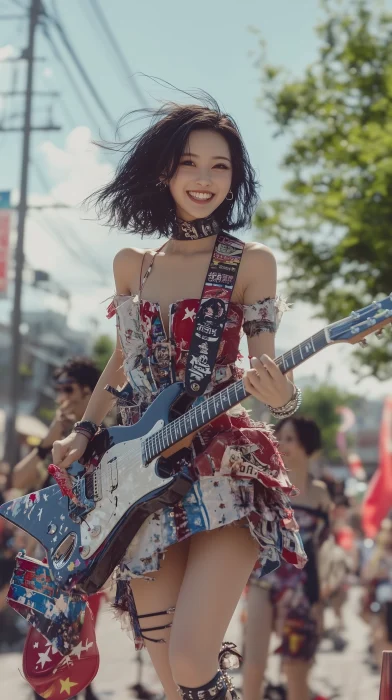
201, 195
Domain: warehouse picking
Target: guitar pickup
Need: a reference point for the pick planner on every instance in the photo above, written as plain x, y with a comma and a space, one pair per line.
112, 464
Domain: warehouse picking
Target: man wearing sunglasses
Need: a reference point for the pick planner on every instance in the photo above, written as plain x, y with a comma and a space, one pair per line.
74, 383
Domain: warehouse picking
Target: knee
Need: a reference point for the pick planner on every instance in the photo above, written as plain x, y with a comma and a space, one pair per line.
191, 664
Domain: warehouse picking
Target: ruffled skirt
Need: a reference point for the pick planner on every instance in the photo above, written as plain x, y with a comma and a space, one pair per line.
239, 475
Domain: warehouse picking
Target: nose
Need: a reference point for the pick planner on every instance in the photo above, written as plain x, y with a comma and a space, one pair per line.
204, 178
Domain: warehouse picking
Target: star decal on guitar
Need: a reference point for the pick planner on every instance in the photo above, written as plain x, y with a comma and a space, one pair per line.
189, 313
43, 658
66, 686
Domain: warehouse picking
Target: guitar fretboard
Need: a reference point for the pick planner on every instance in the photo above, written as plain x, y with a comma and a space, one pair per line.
222, 401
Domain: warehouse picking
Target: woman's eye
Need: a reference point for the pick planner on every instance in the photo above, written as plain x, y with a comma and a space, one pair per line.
221, 166
187, 162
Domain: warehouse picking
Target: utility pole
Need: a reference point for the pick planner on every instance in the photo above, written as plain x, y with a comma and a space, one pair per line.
12, 441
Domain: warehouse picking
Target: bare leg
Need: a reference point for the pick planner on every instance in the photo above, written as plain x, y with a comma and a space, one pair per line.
218, 567
257, 637
158, 595
297, 673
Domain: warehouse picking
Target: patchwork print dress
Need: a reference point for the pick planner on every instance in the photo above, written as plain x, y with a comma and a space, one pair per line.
237, 468
293, 593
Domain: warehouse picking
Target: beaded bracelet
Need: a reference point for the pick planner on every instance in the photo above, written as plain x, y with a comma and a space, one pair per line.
290, 407
85, 427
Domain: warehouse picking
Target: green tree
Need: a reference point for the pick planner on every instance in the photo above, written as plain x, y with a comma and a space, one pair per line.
102, 351
335, 220
321, 403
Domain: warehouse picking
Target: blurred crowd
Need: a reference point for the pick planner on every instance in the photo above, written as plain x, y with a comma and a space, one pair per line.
293, 604
73, 384
288, 603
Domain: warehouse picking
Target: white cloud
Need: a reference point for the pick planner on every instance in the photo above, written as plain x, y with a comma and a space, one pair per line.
77, 167
6, 52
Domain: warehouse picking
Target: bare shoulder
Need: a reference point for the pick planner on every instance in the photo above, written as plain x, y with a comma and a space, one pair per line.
126, 268
258, 272
256, 253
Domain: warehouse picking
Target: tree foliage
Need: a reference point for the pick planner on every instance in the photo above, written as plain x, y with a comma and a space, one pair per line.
321, 403
102, 350
335, 220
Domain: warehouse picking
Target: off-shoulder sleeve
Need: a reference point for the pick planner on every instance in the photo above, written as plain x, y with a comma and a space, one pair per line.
264, 316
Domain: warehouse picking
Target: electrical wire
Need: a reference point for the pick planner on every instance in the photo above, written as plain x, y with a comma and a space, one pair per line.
70, 77
122, 61
67, 43
68, 241
65, 109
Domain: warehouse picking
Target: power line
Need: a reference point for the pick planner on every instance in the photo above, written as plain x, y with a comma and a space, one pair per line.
70, 77
88, 259
122, 61
65, 39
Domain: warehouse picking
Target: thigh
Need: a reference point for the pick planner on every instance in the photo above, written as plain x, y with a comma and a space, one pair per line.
218, 567
161, 593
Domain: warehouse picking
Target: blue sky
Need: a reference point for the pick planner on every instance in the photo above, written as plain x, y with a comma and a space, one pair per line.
207, 45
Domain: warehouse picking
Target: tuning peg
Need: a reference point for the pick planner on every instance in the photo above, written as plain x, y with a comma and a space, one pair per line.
363, 343
379, 333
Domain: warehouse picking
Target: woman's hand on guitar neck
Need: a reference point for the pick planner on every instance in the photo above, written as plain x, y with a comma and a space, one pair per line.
69, 450
266, 382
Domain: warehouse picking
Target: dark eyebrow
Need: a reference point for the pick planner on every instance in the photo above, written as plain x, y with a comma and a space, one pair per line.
194, 155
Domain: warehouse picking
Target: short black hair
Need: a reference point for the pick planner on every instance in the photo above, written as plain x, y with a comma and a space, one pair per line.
134, 202
307, 430
81, 369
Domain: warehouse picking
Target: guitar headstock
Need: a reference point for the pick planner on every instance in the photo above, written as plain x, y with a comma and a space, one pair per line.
370, 319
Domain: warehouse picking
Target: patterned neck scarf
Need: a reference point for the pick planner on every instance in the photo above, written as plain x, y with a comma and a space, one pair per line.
193, 230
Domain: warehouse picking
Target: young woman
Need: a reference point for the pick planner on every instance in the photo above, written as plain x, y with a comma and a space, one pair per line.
289, 600
188, 178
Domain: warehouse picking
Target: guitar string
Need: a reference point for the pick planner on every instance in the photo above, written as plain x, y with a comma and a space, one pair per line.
152, 444
166, 431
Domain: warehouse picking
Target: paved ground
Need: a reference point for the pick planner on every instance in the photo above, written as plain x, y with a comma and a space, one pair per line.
345, 671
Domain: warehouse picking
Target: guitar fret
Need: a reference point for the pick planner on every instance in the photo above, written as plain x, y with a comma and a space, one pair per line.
210, 408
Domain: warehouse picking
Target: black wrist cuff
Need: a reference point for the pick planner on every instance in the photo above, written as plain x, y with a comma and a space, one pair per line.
42, 451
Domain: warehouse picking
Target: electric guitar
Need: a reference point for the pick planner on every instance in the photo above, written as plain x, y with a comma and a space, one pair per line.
129, 474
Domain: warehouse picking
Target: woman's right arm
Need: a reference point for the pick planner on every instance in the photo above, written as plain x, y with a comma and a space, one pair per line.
73, 447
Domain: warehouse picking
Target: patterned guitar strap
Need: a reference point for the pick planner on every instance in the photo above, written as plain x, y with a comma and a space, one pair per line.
212, 314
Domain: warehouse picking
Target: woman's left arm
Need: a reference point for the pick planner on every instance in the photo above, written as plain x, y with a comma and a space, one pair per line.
264, 381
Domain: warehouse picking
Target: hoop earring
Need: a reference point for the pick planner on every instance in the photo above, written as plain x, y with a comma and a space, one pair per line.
230, 199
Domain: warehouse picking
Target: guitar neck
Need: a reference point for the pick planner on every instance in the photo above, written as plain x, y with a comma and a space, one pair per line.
205, 411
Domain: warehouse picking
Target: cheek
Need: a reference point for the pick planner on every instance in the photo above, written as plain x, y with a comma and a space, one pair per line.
223, 182
176, 188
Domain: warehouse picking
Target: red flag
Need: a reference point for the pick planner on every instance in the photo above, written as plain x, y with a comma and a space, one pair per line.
5, 225
378, 500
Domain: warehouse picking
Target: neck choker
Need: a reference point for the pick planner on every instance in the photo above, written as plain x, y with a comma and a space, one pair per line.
193, 230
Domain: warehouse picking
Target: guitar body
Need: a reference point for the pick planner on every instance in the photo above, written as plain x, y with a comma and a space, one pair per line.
85, 541
129, 475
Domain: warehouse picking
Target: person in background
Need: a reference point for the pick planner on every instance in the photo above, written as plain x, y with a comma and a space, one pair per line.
289, 600
74, 384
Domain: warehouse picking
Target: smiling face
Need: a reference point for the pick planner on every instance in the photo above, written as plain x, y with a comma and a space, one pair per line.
203, 177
